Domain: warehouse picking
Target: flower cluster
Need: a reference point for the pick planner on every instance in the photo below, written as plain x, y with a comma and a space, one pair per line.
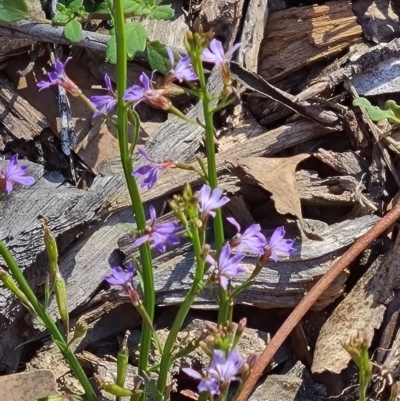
12, 174
223, 369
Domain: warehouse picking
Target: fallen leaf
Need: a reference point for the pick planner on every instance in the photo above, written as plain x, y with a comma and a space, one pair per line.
275, 175
28, 386
363, 308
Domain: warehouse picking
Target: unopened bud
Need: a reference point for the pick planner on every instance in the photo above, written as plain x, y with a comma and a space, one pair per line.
122, 360
207, 350
61, 298
80, 330
252, 360
9, 283
51, 247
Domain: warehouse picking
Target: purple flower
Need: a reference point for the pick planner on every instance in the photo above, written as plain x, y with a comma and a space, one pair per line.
211, 200
105, 104
147, 93
227, 267
150, 172
161, 234
277, 246
182, 70
220, 372
251, 239
119, 277
14, 174
60, 78
215, 53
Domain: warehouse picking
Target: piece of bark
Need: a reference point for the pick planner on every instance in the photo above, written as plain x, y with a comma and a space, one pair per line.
329, 192
378, 19
19, 120
12, 47
296, 385
252, 34
296, 37
277, 285
363, 308
222, 17
275, 175
28, 386
348, 162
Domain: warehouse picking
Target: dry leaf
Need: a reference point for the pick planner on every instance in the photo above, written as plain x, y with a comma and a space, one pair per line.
277, 176
363, 308
27, 386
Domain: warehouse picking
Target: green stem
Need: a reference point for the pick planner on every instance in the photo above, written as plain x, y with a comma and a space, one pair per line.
224, 304
48, 322
181, 316
140, 218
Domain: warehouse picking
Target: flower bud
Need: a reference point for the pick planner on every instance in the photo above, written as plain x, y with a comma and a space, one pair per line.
113, 388
51, 247
10, 284
122, 361
61, 298
80, 330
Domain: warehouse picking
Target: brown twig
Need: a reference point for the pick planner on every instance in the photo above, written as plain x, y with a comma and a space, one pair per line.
294, 318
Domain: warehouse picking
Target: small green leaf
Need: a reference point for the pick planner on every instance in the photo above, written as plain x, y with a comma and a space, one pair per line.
10, 14
374, 112
75, 5
73, 31
61, 19
162, 13
111, 52
392, 105
102, 8
136, 37
19, 5
134, 7
60, 7
158, 57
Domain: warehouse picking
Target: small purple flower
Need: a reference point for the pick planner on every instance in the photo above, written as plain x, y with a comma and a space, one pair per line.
14, 174
105, 104
227, 267
161, 234
147, 93
277, 246
182, 70
220, 372
215, 53
120, 277
251, 239
210, 200
60, 78
150, 172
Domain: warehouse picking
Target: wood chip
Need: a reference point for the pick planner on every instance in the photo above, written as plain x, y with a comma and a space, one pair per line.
363, 308
27, 386
296, 37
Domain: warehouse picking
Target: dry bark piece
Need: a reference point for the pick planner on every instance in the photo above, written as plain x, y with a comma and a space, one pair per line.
295, 385
363, 308
222, 17
378, 18
296, 37
252, 34
275, 175
28, 386
19, 120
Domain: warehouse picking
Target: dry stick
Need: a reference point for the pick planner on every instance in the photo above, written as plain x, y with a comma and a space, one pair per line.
301, 309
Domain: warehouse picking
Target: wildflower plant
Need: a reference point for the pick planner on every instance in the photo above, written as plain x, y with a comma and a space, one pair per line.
218, 266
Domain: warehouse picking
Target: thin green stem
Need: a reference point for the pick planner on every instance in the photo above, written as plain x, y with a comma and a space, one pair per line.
224, 304
181, 316
48, 322
145, 255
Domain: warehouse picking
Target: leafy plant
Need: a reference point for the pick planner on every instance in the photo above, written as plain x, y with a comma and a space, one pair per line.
391, 111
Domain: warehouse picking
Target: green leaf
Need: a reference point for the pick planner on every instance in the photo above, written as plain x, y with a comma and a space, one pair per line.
10, 14
75, 5
102, 8
133, 7
158, 57
19, 5
392, 105
61, 19
136, 41
374, 112
73, 31
162, 13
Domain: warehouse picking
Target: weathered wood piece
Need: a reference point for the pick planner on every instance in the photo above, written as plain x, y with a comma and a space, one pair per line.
363, 308
252, 34
28, 386
297, 37
222, 17
19, 120
278, 285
